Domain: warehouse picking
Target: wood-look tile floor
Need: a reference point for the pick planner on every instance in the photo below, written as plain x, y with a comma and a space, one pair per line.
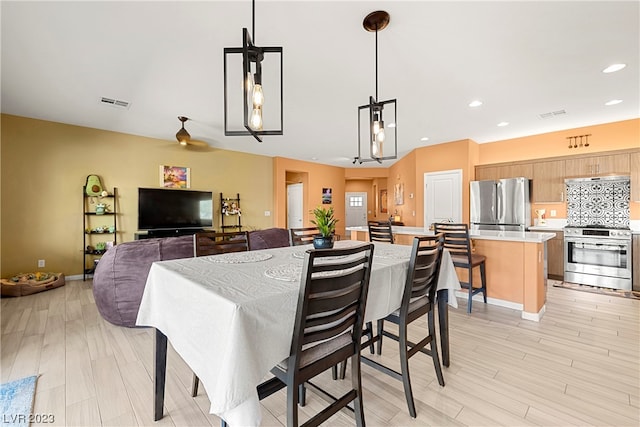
578, 366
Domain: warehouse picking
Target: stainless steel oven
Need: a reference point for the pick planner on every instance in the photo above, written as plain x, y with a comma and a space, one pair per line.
598, 257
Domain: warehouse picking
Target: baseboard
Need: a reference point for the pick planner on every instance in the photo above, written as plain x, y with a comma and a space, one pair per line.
77, 277
506, 304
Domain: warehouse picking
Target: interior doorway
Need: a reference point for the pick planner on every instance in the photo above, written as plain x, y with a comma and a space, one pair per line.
294, 205
355, 209
443, 197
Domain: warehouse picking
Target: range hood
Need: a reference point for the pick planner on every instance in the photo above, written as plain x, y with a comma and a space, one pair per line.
611, 178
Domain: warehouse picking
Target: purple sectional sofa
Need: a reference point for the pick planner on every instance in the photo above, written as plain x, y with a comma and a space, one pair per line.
121, 274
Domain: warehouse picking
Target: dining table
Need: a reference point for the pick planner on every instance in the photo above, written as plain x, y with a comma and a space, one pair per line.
230, 317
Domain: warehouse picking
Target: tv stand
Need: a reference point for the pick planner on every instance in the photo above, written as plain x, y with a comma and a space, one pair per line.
152, 234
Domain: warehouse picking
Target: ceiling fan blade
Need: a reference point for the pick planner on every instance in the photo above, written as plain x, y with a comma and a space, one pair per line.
197, 143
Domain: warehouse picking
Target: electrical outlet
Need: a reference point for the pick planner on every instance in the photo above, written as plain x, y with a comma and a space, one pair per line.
40, 263
267, 213
553, 212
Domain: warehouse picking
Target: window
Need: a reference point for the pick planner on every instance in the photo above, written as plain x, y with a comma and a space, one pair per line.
355, 201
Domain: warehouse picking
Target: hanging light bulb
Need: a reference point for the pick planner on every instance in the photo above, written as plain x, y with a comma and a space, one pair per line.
256, 118
257, 96
380, 133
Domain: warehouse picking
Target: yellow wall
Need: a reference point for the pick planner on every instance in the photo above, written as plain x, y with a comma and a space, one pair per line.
45, 164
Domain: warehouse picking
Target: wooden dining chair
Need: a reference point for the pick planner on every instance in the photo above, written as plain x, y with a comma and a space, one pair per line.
302, 236
458, 243
418, 300
380, 231
212, 243
327, 329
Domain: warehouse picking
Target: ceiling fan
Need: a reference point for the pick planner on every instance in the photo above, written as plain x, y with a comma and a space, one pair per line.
184, 138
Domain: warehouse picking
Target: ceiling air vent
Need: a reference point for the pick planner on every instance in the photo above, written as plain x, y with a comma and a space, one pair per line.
552, 114
115, 103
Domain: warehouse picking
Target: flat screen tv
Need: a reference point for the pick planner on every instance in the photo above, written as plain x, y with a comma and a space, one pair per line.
162, 209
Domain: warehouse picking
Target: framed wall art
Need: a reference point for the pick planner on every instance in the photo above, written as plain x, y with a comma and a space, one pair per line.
326, 196
383, 201
175, 176
399, 194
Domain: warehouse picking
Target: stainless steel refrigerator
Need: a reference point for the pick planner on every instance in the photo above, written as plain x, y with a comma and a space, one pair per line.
502, 204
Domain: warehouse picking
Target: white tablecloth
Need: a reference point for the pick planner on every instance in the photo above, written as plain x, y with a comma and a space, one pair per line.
232, 321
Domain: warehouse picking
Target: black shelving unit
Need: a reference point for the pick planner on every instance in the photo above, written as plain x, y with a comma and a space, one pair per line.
230, 213
91, 229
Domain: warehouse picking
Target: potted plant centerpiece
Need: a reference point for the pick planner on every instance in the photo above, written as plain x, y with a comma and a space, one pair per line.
326, 223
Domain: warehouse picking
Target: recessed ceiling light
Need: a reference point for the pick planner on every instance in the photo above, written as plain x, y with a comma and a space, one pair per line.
501, 124
613, 68
475, 103
424, 138
613, 102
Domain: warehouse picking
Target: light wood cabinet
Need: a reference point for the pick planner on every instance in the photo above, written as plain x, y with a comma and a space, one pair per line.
548, 182
635, 176
555, 257
486, 172
504, 171
598, 165
516, 171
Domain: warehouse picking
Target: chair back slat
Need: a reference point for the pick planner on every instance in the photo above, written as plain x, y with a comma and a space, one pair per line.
380, 231
211, 243
302, 236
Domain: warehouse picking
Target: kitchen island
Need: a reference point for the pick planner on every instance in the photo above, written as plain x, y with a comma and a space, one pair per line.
515, 265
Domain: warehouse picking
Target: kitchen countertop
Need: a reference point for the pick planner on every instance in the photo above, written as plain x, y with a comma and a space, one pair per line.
513, 236
634, 225
543, 228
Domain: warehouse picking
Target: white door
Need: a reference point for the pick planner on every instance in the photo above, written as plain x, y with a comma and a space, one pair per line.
443, 197
294, 206
355, 209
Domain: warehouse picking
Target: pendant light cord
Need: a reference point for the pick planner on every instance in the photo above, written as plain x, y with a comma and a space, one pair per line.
376, 62
253, 20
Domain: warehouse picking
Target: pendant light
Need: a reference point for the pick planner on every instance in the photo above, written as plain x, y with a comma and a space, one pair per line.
256, 110
371, 123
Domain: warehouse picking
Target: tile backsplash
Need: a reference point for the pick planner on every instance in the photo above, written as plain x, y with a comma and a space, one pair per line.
604, 203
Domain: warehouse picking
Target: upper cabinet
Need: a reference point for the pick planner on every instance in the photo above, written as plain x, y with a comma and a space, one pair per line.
548, 182
548, 175
486, 172
635, 177
515, 170
598, 165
